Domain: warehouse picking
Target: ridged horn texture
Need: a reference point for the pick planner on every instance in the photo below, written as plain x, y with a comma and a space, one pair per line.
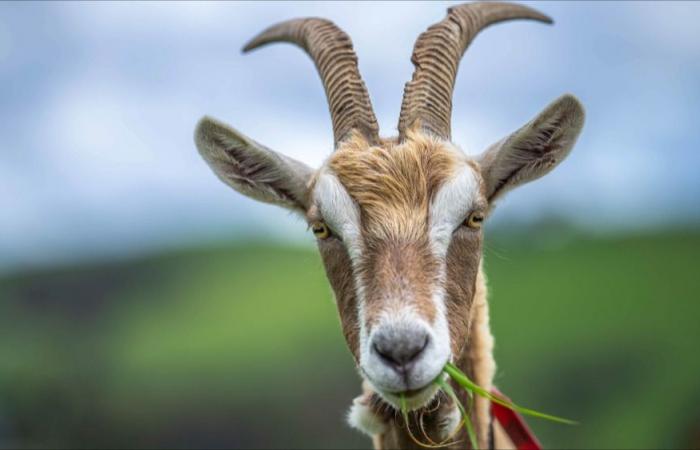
332, 52
436, 55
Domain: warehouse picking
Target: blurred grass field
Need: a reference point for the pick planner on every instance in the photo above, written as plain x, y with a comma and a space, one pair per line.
240, 346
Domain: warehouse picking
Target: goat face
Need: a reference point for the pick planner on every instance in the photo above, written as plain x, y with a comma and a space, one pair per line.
398, 221
401, 243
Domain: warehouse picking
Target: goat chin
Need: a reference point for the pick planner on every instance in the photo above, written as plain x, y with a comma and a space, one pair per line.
363, 418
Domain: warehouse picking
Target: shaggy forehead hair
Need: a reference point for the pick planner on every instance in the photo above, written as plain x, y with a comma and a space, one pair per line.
394, 183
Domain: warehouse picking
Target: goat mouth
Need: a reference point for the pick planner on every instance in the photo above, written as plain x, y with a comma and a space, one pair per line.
412, 392
414, 398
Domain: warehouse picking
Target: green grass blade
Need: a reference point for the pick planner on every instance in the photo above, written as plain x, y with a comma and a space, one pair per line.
469, 385
466, 420
404, 408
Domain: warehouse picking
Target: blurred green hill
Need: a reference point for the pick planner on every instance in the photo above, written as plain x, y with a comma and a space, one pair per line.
239, 346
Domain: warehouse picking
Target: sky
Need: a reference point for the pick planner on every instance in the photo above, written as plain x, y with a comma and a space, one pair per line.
100, 100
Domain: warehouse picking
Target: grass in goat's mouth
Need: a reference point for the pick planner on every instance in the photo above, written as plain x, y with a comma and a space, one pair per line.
472, 389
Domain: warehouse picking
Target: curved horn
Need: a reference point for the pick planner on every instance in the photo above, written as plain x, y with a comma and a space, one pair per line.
436, 55
332, 52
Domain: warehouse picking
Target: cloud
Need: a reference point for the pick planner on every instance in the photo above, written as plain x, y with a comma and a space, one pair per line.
97, 128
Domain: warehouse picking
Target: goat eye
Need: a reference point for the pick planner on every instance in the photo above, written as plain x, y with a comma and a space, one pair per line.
474, 220
320, 230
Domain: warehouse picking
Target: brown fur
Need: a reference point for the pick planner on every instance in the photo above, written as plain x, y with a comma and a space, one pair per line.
477, 357
396, 273
463, 261
338, 270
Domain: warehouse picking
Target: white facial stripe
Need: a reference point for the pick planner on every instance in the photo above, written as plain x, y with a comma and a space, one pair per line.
441, 329
450, 207
339, 211
343, 216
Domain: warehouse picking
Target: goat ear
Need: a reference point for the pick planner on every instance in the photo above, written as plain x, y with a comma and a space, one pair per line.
535, 149
251, 168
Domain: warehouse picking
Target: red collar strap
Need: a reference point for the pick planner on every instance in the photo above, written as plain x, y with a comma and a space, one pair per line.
514, 425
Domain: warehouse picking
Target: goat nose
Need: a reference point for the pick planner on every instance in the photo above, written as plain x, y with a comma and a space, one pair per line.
399, 348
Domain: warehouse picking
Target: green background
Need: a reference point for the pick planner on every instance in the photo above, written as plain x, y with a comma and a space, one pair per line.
240, 346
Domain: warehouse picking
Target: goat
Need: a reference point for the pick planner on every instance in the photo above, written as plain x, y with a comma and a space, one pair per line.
398, 220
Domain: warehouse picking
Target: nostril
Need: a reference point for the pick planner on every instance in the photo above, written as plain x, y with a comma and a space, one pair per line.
385, 355
418, 350
399, 350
